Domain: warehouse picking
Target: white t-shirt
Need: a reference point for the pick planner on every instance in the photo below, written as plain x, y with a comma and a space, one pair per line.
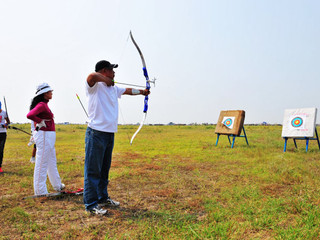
3, 116
103, 106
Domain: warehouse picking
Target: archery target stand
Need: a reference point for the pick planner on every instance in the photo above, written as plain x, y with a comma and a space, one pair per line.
300, 124
230, 123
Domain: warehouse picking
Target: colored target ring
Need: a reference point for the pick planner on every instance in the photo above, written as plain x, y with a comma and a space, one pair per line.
297, 122
228, 122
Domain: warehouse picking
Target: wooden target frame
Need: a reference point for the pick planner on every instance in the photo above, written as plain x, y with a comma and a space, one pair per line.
231, 123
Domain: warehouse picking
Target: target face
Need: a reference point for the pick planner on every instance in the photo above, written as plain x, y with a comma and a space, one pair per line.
228, 122
297, 122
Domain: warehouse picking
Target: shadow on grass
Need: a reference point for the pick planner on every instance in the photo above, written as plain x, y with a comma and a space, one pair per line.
138, 214
77, 199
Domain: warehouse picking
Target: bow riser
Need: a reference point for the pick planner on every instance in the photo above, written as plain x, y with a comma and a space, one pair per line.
145, 73
146, 98
145, 109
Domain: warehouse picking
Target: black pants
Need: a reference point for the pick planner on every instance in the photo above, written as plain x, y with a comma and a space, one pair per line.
3, 137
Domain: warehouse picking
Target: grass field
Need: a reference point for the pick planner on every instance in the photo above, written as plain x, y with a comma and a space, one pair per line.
173, 183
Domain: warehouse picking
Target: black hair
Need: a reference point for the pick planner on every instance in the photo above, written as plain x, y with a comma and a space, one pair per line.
36, 100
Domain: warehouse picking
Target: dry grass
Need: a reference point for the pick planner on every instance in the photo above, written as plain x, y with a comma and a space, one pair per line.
173, 183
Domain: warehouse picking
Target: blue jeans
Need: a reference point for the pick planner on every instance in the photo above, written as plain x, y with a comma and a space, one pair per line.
99, 146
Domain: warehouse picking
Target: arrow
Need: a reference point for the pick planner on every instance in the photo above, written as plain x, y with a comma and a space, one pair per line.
129, 84
82, 106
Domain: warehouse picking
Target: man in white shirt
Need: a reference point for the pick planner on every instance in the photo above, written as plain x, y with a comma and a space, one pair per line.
4, 122
103, 123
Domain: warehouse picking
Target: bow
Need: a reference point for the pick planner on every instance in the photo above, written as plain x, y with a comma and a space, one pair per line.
12, 127
145, 73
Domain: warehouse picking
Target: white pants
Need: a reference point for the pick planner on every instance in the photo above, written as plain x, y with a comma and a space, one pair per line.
46, 162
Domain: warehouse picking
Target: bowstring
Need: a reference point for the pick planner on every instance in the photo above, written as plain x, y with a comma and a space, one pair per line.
123, 50
119, 105
124, 122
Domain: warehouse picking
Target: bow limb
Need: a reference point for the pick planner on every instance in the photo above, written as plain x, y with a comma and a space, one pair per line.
19, 129
145, 73
141, 124
5, 105
12, 127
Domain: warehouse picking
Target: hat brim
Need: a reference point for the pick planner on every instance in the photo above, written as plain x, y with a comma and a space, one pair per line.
48, 89
110, 67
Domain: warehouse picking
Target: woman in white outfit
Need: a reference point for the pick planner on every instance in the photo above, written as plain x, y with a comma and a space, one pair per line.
45, 138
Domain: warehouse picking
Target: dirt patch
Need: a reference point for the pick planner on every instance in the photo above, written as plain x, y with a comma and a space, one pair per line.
274, 190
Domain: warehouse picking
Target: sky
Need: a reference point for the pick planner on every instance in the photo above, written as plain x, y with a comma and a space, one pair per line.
207, 56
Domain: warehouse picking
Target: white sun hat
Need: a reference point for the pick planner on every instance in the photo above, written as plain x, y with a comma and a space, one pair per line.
43, 88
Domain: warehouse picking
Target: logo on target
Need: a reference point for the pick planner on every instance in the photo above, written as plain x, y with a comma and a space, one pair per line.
297, 122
